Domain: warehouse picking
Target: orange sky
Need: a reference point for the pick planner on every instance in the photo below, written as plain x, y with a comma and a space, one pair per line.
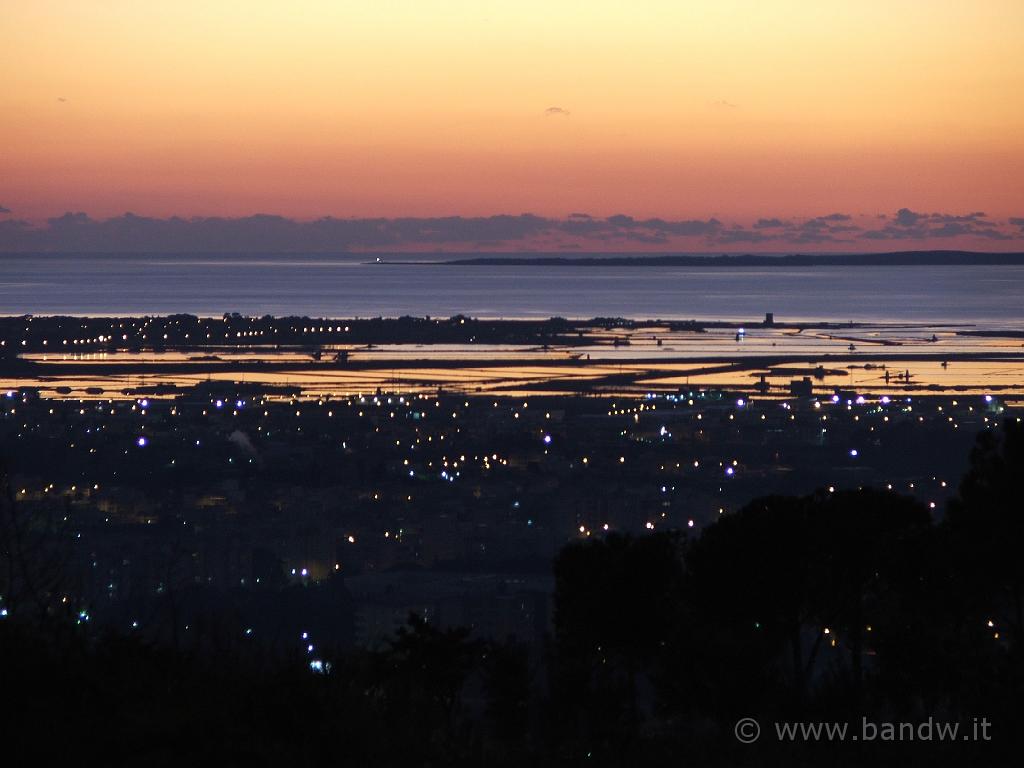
429, 107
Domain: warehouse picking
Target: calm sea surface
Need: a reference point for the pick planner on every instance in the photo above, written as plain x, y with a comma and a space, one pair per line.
347, 286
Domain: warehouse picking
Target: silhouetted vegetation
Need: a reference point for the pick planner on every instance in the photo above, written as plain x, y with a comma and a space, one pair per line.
835, 606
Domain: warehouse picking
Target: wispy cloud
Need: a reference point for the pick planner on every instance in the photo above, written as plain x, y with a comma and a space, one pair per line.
556, 112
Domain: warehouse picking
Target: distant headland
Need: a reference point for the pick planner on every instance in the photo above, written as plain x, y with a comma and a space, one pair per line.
895, 258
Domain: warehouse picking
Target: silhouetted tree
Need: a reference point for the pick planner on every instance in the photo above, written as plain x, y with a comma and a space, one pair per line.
508, 684
422, 675
986, 523
750, 583
861, 537
616, 608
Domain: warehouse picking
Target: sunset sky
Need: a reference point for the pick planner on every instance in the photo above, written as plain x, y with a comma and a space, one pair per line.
726, 110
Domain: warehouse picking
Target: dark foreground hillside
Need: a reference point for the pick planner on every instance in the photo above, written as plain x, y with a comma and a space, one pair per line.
853, 607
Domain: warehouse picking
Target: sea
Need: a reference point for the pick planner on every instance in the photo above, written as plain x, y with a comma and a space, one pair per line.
357, 286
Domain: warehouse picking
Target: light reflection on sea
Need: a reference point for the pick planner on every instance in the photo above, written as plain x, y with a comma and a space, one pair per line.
910, 320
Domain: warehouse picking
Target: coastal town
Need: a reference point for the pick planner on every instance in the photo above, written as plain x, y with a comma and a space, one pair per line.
349, 512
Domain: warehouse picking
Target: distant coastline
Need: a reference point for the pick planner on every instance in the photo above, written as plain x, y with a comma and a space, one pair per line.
891, 259
562, 259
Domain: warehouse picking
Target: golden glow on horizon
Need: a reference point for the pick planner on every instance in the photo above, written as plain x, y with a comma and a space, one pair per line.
424, 107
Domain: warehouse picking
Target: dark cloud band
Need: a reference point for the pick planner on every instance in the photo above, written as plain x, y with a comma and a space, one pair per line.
267, 233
